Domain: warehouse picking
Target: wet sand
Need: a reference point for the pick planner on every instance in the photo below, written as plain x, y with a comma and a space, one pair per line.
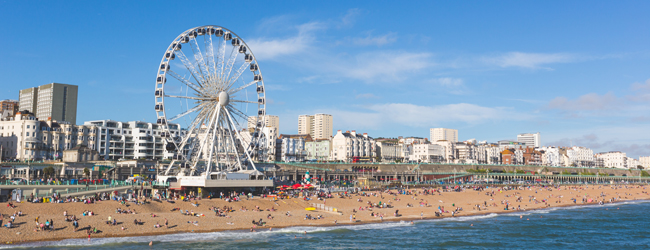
241, 219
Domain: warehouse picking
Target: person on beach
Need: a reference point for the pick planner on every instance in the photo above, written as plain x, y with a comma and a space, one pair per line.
166, 223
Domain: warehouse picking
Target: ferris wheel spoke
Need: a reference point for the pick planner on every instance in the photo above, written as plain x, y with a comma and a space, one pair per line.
244, 101
233, 91
240, 71
190, 66
238, 112
212, 58
241, 139
189, 97
198, 56
228, 68
200, 106
222, 59
190, 132
199, 119
193, 131
187, 82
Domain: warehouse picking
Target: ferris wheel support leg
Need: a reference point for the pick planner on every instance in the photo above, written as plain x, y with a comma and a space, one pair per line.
169, 168
241, 139
214, 135
202, 143
234, 145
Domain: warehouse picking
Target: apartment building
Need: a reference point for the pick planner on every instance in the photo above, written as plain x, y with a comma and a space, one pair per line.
319, 126
346, 146
134, 139
551, 156
428, 153
613, 159
530, 140
54, 101
318, 149
270, 121
26, 138
644, 161
293, 147
389, 150
443, 134
581, 157
8, 108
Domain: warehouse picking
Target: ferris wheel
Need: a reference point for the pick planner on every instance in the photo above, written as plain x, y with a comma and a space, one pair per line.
210, 84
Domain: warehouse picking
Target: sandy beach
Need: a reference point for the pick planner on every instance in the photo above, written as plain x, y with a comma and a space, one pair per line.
414, 204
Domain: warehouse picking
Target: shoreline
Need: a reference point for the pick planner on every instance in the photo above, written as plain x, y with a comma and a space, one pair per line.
408, 217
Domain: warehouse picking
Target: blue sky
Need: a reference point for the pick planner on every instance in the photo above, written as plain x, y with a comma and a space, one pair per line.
576, 72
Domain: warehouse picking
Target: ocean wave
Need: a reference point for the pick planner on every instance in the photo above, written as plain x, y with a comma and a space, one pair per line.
202, 237
463, 218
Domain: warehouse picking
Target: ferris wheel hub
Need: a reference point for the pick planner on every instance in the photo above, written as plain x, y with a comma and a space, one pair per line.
224, 98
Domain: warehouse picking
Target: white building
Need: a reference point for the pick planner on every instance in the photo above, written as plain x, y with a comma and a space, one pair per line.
466, 153
451, 154
613, 159
24, 137
54, 101
318, 126
488, 154
644, 161
632, 163
134, 140
293, 149
551, 156
439, 134
318, 149
412, 140
531, 140
346, 146
389, 151
428, 153
270, 121
580, 157
267, 145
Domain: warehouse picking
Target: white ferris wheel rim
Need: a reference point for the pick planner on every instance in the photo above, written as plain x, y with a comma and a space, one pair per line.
212, 93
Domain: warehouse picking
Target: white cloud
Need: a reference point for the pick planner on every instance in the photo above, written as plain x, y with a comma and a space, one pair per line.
349, 18
529, 60
449, 82
383, 66
269, 49
376, 40
588, 102
452, 85
641, 86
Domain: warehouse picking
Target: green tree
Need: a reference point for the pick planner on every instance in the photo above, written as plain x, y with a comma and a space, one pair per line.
645, 174
48, 172
86, 172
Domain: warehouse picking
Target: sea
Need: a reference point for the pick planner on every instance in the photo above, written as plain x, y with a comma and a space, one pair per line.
611, 226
